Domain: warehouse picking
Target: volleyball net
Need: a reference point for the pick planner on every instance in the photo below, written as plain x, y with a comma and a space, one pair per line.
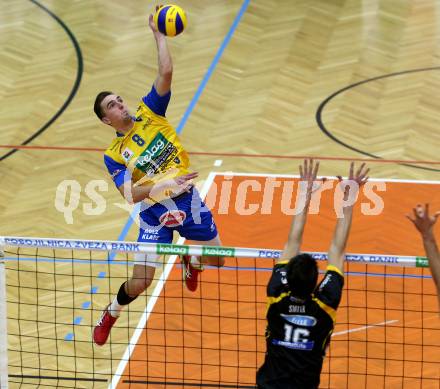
387, 331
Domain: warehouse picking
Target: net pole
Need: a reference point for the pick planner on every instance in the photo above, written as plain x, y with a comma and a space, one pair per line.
3, 325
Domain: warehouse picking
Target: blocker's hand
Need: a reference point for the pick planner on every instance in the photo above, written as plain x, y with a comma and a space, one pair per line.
360, 178
422, 220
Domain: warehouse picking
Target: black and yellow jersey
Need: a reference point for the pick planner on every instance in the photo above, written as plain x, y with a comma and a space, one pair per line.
298, 331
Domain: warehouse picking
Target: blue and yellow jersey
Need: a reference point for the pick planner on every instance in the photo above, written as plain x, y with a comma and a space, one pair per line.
150, 149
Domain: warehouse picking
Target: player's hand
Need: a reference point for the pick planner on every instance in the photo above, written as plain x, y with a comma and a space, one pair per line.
183, 181
170, 187
152, 24
359, 178
178, 185
308, 172
422, 220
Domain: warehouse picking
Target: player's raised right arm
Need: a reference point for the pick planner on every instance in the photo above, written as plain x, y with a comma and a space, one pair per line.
165, 65
350, 188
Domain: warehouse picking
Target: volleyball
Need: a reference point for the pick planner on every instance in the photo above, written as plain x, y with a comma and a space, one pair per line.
170, 20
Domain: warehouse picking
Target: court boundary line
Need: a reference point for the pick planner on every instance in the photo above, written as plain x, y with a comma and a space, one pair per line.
152, 300
375, 325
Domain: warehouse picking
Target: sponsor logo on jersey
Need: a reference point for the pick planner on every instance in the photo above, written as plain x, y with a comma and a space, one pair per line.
300, 320
325, 281
150, 172
115, 173
156, 156
150, 234
127, 154
295, 345
152, 151
172, 218
296, 300
147, 123
283, 277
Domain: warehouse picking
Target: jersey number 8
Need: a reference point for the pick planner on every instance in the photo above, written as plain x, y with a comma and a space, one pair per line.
138, 140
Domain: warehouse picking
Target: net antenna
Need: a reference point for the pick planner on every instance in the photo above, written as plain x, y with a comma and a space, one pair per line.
3, 326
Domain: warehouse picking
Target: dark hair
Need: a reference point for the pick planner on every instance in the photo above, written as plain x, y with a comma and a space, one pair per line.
97, 106
302, 275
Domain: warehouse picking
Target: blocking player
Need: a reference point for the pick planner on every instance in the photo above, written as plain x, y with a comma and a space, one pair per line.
425, 225
301, 314
149, 165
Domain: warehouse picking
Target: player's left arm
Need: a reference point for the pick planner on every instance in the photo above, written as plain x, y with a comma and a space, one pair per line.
308, 174
424, 222
165, 71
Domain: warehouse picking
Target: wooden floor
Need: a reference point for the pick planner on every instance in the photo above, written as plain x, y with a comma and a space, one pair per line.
335, 79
